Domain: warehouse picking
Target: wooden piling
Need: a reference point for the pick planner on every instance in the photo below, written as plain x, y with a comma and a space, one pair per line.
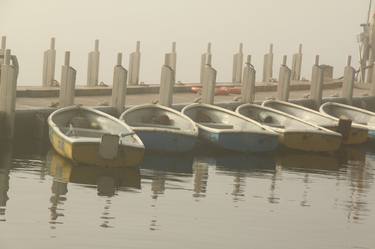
120, 75
297, 64
284, 81
8, 86
2, 48
93, 66
134, 65
248, 82
208, 82
49, 62
348, 82
204, 58
237, 66
268, 65
317, 78
68, 81
167, 82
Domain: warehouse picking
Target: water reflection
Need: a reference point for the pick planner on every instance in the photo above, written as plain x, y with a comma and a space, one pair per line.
5, 164
107, 181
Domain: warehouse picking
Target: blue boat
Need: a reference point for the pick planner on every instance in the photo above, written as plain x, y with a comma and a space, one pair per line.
228, 130
161, 128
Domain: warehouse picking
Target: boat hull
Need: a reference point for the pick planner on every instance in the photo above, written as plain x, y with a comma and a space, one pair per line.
88, 152
310, 141
166, 141
240, 141
355, 136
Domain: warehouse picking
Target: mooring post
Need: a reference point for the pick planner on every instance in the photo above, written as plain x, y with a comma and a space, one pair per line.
171, 58
93, 66
204, 59
248, 82
68, 82
268, 65
297, 64
135, 65
8, 86
120, 76
167, 82
237, 65
317, 79
208, 82
348, 82
284, 81
49, 61
2, 48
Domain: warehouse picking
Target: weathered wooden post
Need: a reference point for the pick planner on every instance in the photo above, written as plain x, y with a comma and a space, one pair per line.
8, 86
237, 65
167, 82
2, 48
120, 76
317, 78
248, 82
93, 66
204, 58
297, 64
372, 88
68, 82
135, 65
268, 65
171, 58
284, 81
208, 82
348, 82
49, 62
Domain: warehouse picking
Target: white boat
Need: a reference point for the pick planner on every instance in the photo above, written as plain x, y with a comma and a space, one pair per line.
92, 137
356, 135
294, 133
228, 130
161, 128
360, 117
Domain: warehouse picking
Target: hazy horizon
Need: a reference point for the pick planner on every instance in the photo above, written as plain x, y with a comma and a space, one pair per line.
328, 28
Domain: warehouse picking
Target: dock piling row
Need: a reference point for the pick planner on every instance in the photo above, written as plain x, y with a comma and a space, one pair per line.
68, 82
49, 62
120, 76
248, 82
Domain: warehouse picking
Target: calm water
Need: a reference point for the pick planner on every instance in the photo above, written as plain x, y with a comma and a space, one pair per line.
283, 200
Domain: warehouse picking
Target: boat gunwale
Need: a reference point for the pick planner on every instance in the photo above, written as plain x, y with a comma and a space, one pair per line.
265, 131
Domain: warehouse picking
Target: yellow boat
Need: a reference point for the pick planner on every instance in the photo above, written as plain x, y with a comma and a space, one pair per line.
65, 171
92, 137
293, 133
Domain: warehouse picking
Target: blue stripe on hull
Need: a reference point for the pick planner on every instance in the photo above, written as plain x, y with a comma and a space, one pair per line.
243, 142
167, 142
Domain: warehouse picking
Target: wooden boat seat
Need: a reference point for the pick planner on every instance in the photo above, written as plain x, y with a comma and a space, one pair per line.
82, 132
217, 125
141, 124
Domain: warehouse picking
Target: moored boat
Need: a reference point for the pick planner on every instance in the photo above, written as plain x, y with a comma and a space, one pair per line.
228, 130
360, 117
294, 133
161, 128
92, 137
356, 135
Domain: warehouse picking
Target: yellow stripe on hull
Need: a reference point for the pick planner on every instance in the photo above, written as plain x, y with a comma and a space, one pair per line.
88, 153
306, 141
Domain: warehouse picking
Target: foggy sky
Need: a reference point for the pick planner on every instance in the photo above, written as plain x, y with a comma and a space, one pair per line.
328, 28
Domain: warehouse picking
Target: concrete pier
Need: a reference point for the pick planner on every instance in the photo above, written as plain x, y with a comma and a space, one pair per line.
208, 82
207, 56
297, 64
237, 65
317, 79
8, 86
248, 82
167, 82
68, 82
284, 81
135, 65
268, 65
93, 66
348, 82
120, 76
49, 61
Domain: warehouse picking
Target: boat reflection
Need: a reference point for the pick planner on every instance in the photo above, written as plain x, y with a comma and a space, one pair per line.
5, 165
107, 181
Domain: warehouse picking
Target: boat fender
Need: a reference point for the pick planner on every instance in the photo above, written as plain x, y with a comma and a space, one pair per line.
345, 124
